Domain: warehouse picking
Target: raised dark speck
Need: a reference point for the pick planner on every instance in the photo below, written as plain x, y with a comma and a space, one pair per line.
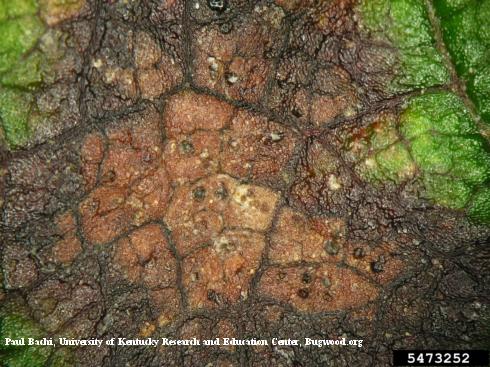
306, 278
199, 193
377, 266
213, 296
217, 5
186, 147
303, 293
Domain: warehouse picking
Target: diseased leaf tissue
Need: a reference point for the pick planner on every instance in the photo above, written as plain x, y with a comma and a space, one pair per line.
249, 169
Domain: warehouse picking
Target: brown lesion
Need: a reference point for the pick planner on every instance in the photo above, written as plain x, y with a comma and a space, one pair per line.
316, 267
220, 225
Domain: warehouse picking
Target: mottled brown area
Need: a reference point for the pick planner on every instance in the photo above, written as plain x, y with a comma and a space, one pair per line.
315, 289
19, 268
134, 182
56, 11
199, 212
69, 246
296, 238
237, 63
91, 156
55, 302
257, 148
221, 272
205, 179
144, 258
187, 112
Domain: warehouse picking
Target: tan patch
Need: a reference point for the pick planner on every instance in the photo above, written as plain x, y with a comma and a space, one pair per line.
199, 212
251, 207
57, 11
